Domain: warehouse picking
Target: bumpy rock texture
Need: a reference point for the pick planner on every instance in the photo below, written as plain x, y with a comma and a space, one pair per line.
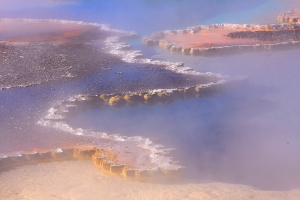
227, 38
104, 159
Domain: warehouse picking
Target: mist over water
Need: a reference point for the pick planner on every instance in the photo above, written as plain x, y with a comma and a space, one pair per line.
143, 16
261, 120
248, 134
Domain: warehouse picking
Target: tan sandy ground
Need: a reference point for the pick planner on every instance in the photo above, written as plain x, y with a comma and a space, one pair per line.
77, 180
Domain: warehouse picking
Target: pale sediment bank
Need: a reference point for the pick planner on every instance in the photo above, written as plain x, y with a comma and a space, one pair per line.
79, 179
227, 38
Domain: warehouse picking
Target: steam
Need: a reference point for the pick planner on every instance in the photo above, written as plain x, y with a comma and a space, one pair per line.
246, 135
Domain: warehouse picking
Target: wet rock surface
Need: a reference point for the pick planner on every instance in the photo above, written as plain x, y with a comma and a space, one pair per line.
24, 65
285, 35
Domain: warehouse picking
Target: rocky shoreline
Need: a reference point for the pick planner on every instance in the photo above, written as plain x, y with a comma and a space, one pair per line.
129, 156
112, 159
285, 35
155, 165
104, 159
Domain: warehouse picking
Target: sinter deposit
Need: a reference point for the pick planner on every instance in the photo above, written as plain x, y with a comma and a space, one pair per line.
227, 38
65, 47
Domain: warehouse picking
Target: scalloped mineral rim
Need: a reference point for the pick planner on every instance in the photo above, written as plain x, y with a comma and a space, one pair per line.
206, 40
129, 156
134, 157
106, 159
291, 16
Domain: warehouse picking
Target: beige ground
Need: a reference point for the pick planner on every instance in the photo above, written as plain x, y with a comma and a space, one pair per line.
77, 180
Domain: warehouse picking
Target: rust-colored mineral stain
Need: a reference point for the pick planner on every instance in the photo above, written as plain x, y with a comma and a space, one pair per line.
210, 38
49, 37
20, 31
108, 160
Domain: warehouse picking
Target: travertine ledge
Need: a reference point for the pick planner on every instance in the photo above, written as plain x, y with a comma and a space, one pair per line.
227, 38
104, 159
114, 158
129, 156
